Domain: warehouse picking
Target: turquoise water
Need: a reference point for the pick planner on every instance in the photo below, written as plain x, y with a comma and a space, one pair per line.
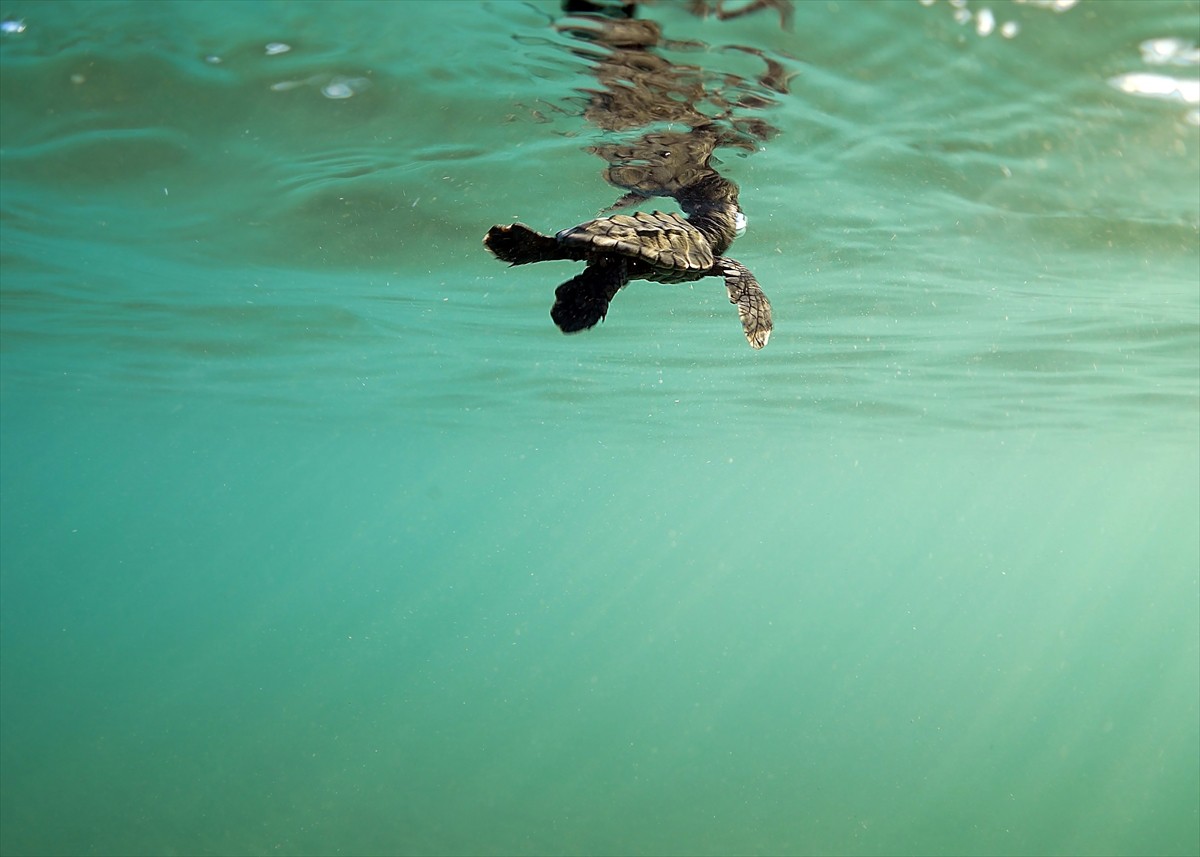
318, 538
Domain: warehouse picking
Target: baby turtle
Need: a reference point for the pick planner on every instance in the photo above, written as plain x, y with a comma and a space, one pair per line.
661, 247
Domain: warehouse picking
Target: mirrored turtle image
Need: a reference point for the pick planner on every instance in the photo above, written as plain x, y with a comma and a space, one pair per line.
660, 247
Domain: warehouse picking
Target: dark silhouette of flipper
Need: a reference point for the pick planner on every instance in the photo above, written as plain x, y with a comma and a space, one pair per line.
583, 300
519, 245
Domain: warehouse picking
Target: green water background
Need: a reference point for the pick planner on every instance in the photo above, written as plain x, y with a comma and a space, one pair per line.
316, 537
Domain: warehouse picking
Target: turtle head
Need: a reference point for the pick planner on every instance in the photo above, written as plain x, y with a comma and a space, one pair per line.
711, 205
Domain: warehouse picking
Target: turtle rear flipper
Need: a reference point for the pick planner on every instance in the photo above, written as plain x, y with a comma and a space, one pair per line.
582, 301
520, 245
753, 307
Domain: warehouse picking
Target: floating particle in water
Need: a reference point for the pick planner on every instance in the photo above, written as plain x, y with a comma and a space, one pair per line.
985, 22
1169, 52
1052, 5
344, 87
274, 48
12, 26
336, 87
337, 90
1158, 86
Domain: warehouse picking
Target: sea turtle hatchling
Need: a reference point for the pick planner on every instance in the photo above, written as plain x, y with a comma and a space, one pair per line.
661, 247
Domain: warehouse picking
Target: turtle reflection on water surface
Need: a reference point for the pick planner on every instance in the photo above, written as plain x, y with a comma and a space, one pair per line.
661, 247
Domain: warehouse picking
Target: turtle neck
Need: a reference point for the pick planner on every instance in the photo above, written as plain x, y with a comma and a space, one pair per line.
718, 223
711, 206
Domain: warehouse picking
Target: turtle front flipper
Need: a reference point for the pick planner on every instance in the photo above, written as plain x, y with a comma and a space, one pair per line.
583, 300
520, 245
753, 307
